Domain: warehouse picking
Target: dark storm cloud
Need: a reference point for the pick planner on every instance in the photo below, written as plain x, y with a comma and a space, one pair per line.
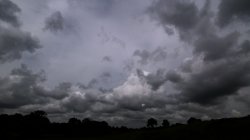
214, 47
55, 22
13, 42
133, 101
218, 69
186, 66
173, 76
59, 92
145, 56
225, 69
155, 79
189, 24
8, 11
224, 58
21, 88
159, 78
233, 10
216, 81
171, 12
244, 48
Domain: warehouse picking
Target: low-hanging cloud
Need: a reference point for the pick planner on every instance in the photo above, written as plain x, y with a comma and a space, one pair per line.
231, 11
21, 88
8, 12
13, 41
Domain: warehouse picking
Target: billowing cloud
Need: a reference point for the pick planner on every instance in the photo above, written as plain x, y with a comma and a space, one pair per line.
214, 47
8, 12
60, 91
219, 80
231, 10
155, 80
171, 12
21, 88
13, 41
173, 61
223, 70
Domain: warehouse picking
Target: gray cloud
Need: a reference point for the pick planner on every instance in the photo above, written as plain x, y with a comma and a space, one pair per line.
24, 88
155, 80
107, 59
171, 12
244, 48
216, 81
217, 77
214, 47
13, 42
130, 103
21, 88
231, 10
186, 66
208, 79
59, 92
8, 11
145, 56
55, 22
173, 76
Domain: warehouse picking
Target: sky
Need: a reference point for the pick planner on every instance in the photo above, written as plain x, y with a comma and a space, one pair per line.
125, 61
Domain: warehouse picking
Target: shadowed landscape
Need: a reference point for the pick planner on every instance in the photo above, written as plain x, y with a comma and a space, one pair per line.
36, 125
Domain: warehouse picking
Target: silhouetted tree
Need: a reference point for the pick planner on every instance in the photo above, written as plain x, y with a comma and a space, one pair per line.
74, 121
193, 120
39, 114
86, 121
165, 123
37, 118
151, 122
36, 126
16, 120
91, 124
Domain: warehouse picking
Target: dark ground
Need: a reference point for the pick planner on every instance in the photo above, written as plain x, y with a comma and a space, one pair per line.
36, 126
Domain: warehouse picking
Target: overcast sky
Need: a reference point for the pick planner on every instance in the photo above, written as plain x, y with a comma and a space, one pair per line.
124, 61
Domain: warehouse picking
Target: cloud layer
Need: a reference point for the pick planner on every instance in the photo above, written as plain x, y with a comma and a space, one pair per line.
125, 61
13, 41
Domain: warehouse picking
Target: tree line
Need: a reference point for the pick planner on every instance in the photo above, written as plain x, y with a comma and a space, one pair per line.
36, 124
